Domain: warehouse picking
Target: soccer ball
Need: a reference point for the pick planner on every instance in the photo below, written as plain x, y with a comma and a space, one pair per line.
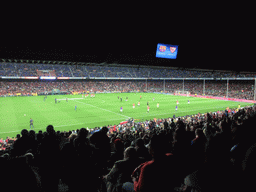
24, 114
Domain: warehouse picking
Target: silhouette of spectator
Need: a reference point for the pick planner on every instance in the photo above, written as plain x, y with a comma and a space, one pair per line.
198, 146
49, 166
118, 153
69, 157
22, 145
17, 175
158, 174
142, 151
101, 141
217, 163
122, 170
81, 153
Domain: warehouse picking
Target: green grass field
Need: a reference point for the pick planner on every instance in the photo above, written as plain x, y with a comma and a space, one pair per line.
102, 110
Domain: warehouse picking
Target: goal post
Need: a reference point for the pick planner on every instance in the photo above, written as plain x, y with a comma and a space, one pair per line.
56, 92
178, 92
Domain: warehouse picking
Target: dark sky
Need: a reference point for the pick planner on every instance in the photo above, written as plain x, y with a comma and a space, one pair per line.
138, 50
131, 40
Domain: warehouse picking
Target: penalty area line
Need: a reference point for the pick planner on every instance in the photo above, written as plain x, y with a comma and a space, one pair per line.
104, 109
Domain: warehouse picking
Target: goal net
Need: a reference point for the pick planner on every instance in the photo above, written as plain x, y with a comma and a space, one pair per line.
187, 93
56, 92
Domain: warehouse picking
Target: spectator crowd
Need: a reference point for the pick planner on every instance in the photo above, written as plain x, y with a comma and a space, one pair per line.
236, 89
203, 152
28, 69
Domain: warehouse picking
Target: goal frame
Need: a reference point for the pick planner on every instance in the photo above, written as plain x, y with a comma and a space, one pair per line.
178, 92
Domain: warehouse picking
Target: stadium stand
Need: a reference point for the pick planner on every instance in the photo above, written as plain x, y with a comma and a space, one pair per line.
15, 69
225, 131
212, 88
203, 153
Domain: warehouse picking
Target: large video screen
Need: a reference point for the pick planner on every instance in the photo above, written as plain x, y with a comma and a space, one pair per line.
166, 51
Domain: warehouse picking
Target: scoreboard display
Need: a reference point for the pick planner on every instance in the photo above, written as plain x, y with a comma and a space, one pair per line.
166, 51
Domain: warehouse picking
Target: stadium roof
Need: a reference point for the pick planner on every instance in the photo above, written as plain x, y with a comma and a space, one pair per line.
108, 64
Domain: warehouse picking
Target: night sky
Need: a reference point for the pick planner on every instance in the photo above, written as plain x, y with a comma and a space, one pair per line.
134, 52
133, 39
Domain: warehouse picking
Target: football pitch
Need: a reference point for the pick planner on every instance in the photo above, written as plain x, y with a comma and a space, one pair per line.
104, 109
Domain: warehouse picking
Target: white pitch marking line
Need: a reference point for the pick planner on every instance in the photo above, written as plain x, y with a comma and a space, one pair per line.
184, 111
67, 125
104, 109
